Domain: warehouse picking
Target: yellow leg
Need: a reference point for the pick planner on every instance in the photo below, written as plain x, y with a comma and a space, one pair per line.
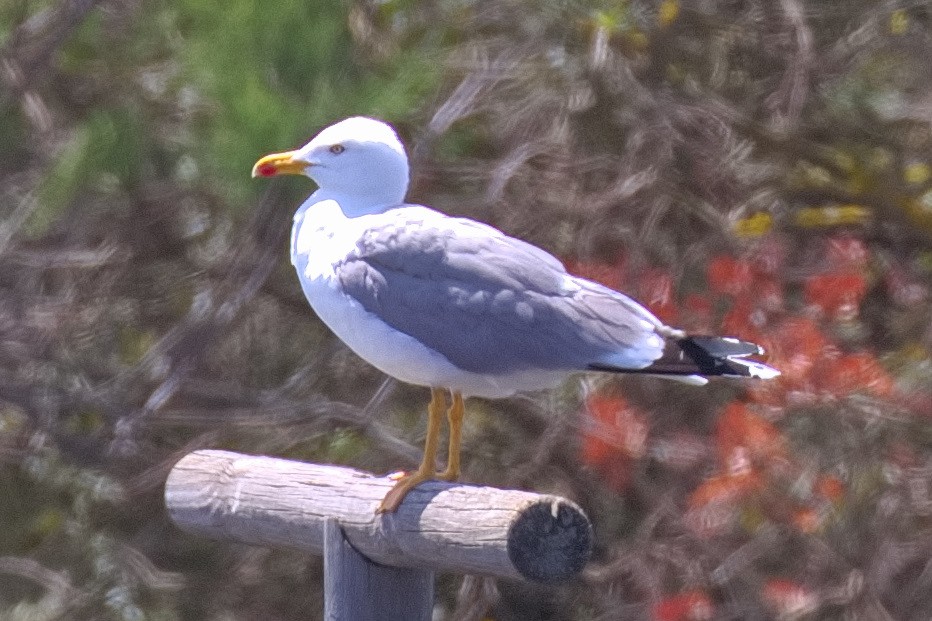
455, 418
427, 469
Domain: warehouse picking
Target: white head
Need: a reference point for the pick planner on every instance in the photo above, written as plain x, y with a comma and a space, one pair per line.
359, 162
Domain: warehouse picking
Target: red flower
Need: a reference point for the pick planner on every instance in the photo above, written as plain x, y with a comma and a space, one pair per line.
860, 372
697, 313
807, 520
829, 487
742, 435
611, 274
838, 294
725, 488
687, 606
655, 289
795, 347
728, 275
743, 320
616, 435
787, 598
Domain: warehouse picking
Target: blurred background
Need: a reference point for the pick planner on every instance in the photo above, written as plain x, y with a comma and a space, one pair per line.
759, 168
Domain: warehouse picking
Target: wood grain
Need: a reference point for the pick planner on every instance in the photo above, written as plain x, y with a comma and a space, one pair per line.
448, 527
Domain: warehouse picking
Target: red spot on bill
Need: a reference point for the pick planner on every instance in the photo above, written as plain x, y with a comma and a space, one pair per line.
267, 170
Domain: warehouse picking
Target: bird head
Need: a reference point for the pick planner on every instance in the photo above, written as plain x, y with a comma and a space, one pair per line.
358, 158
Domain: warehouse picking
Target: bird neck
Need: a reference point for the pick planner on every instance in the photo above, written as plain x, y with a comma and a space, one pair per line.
355, 204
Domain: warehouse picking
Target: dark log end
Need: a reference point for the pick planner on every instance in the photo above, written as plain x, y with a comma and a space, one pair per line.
550, 541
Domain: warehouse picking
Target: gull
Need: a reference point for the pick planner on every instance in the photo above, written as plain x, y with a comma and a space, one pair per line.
456, 305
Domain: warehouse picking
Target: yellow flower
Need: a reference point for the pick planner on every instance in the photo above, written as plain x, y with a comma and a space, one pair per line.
899, 22
754, 226
669, 10
836, 215
917, 173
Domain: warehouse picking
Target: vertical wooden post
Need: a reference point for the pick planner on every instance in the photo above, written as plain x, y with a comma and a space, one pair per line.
356, 589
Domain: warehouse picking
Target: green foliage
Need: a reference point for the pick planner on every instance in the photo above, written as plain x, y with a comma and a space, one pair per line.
278, 81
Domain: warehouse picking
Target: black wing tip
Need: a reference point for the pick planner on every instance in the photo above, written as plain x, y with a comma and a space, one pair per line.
705, 356
722, 346
724, 355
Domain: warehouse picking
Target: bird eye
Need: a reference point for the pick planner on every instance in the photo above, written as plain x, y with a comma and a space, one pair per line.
337, 149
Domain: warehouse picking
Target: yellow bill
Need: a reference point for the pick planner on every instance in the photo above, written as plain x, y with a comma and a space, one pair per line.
286, 163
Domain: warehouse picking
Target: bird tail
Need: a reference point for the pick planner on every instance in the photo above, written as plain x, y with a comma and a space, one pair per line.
692, 358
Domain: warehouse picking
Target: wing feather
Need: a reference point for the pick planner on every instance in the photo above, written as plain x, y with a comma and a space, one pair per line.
491, 303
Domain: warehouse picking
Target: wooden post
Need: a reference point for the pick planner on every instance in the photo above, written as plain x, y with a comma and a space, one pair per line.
359, 590
447, 527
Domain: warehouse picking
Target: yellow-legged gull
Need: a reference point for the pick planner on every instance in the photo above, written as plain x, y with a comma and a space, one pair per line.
456, 305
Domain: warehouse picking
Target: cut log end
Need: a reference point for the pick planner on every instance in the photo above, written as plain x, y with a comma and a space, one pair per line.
550, 541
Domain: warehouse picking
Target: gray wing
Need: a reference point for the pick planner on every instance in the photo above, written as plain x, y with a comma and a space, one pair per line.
491, 303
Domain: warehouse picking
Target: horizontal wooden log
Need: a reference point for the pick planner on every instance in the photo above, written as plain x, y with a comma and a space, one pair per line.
440, 526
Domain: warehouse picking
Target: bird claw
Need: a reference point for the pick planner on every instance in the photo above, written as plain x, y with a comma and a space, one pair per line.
403, 485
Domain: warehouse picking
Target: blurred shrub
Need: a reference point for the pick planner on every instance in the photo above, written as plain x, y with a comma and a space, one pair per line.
754, 168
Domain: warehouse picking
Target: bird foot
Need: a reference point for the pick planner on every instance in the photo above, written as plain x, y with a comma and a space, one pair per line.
405, 482
403, 485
